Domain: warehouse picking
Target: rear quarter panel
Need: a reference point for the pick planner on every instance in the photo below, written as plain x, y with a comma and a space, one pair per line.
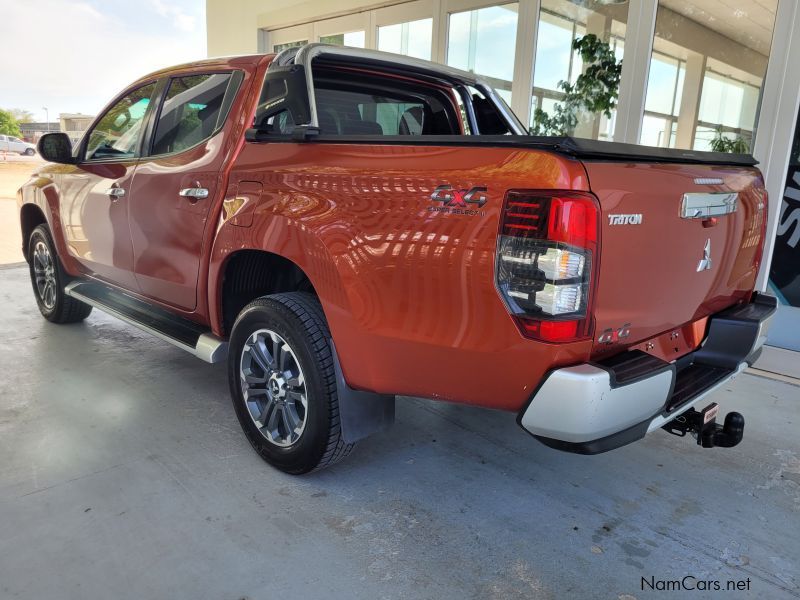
409, 292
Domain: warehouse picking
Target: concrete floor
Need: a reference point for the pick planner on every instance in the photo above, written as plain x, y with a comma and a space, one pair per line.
124, 475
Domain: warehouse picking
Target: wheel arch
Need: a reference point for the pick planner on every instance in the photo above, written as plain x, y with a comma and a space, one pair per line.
30, 217
248, 274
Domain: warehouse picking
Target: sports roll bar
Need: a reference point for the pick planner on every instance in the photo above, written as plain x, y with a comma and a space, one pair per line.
305, 56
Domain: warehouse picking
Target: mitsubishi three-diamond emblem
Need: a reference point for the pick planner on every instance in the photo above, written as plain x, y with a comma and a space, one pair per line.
705, 262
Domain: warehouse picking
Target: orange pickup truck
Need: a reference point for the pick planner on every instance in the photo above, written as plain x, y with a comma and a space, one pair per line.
344, 226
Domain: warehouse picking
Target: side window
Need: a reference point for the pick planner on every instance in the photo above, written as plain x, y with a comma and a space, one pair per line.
118, 132
379, 106
490, 122
194, 108
281, 123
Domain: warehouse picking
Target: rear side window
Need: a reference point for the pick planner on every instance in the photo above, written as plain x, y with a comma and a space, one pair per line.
382, 106
194, 108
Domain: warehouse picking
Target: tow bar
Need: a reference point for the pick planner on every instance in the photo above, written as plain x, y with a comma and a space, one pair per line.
705, 429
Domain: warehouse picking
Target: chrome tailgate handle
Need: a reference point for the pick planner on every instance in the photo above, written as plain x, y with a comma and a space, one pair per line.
702, 205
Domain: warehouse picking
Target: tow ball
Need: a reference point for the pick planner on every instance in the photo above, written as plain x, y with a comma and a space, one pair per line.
704, 427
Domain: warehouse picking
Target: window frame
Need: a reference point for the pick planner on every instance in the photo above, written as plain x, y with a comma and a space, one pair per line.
288, 35
231, 93
451, 7
146, 120
350, 23
408, 12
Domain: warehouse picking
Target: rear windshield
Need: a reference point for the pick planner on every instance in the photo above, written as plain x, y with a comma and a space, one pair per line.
382, 106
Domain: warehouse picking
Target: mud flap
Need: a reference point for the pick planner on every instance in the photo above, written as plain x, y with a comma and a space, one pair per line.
360, 413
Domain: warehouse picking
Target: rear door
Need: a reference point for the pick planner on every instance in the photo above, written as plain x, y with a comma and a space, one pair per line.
176, 185
679, 243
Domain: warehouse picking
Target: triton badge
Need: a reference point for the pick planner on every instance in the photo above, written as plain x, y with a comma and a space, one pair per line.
633, 219
705, 262
463, 202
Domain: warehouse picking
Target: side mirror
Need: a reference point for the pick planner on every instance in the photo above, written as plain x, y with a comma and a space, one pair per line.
56, 147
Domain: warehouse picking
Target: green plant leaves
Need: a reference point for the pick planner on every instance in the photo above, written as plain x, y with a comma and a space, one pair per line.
595, 91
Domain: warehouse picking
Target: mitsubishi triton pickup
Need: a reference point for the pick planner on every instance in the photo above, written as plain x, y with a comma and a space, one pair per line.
344, 226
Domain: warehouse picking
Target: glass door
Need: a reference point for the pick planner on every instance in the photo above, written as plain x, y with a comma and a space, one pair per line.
784, 274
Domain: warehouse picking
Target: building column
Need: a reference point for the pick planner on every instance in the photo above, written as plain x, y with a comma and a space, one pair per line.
635, 68
522, 86
777, 119
690, 100
439, 32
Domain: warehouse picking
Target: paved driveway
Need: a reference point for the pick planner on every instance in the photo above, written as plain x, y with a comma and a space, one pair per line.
14, 171
124, 475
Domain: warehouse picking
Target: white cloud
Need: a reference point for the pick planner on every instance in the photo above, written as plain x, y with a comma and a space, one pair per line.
183, 21
73, 58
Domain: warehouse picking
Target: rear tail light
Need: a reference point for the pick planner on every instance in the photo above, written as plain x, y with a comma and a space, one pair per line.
763, 211
546, 259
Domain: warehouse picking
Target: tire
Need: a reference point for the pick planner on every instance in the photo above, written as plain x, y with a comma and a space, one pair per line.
291, 436
48, 280
29, 152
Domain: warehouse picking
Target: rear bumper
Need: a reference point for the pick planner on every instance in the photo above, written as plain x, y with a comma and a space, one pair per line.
596, 407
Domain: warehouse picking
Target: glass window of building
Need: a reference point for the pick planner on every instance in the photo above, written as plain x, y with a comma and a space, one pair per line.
355, 39
665, 85
280, 47
484, 41
561, 22
413, 38
706, 71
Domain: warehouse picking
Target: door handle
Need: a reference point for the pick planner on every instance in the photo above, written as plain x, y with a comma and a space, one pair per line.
115, 193
197, 192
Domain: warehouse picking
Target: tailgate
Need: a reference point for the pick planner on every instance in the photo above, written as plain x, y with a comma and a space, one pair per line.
663, 261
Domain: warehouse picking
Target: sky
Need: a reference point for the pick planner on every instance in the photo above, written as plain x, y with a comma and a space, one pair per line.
73, 56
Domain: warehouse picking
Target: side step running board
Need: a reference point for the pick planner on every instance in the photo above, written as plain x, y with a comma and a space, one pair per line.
171, 328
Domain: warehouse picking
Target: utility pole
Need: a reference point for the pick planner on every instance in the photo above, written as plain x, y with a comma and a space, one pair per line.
47, 117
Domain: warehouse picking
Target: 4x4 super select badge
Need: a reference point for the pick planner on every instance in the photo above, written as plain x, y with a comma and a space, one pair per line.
459, 202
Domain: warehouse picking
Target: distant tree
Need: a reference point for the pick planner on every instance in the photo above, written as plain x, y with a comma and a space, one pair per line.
22, 115
8, 124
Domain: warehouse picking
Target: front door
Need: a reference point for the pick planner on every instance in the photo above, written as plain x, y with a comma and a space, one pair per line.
95, 193
784, 274
175, 186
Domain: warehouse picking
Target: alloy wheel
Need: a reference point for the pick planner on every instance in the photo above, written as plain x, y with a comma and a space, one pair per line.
45, 275
273, 387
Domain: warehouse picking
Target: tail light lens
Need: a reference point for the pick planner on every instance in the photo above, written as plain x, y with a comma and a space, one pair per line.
546, 260
762, 214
